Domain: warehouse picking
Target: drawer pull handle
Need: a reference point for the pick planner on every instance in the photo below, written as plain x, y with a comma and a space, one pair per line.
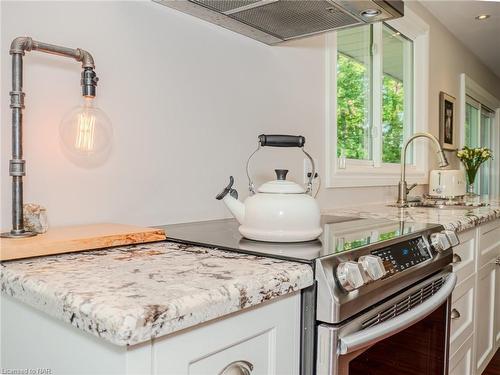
237, 368
455, 314
456, 258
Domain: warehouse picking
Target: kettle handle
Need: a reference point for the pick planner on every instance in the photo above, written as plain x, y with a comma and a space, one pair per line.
279, 140
275, 140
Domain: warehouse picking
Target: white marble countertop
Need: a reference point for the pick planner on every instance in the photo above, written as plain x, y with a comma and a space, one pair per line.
132, 294
457, 219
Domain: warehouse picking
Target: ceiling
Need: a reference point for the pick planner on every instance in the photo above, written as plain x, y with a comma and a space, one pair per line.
481, 37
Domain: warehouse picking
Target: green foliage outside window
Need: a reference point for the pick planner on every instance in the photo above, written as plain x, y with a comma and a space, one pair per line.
352, 113
392, 119
353, 125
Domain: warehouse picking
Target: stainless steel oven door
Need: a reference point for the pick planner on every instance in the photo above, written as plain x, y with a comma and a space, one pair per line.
407, 334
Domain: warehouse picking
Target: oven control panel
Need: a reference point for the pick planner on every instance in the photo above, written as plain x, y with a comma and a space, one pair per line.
404, 255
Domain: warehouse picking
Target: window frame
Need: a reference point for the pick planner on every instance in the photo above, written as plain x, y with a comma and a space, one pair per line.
369, 172
486, 112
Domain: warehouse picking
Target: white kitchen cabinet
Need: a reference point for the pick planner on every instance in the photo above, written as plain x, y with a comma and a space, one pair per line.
266, 341
266, 338
489, 242
487, 300
475, 325
31, 339
464, 255
461, 363
485, 309
497, 302
462, 315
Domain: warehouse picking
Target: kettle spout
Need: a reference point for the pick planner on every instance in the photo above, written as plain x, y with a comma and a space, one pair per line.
236, 207
230, 198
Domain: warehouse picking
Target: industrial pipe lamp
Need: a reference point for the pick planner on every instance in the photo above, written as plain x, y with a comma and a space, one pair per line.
84, 131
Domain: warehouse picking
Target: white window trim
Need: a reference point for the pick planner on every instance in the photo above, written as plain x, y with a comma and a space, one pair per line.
364, 173
468, 87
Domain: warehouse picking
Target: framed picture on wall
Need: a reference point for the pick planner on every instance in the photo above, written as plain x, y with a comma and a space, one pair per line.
447, 135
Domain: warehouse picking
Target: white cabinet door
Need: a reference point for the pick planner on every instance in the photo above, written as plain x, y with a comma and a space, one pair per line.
464, 255
489, 242
31, 339
462, 314
264, 340
485, 314
497, 301
461, 362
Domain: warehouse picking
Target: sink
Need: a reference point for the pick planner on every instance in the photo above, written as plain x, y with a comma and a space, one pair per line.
441, 205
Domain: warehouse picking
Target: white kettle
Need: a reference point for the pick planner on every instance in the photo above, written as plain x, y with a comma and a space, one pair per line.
280, 210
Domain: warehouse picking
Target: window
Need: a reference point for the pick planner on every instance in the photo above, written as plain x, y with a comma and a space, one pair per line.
480, 121
357, 125
354, 132
397, 89
479, 132
371, 101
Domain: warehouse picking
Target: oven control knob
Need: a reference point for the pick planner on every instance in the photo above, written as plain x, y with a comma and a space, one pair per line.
350, 275
373, 266
452, 237
440, 242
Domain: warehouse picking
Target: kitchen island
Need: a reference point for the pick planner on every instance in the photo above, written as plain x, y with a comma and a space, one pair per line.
132, 296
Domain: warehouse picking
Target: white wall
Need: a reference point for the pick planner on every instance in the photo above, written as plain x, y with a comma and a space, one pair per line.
187, 100
448, 59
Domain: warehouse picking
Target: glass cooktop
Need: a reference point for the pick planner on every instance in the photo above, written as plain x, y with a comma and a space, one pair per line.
339, 234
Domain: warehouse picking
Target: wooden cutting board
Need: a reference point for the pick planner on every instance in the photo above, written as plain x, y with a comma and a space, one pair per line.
77, 238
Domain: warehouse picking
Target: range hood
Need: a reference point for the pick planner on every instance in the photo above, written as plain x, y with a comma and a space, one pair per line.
275, 21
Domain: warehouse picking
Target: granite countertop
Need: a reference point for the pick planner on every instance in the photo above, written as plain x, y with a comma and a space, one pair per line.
131, 294
453, 218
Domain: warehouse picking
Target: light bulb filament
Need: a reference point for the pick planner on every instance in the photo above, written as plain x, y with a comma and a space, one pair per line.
85, 132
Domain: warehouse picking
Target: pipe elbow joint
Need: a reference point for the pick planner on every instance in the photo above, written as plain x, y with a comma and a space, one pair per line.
20, 45
86, 58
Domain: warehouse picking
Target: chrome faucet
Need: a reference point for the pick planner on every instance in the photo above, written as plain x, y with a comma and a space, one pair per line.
403, 188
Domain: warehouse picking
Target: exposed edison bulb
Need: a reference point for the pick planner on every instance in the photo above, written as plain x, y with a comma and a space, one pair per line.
86, 134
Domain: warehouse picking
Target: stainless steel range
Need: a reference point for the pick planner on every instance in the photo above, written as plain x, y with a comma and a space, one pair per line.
381, 301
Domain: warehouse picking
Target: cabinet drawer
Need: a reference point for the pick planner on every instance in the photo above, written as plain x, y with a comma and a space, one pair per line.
489, 242
264, 339
461, 362
462, 310
254, 354
464, 255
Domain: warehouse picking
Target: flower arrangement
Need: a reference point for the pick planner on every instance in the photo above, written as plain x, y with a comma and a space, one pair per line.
472, 158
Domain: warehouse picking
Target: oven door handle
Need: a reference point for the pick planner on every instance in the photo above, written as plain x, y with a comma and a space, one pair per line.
369, 336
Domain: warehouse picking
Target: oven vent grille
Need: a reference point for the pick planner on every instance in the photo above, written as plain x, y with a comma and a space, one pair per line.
405, 304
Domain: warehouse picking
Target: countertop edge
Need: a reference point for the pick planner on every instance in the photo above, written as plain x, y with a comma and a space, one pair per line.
131, 329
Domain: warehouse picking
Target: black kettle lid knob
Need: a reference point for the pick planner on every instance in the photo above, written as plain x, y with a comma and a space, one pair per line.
281, 174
